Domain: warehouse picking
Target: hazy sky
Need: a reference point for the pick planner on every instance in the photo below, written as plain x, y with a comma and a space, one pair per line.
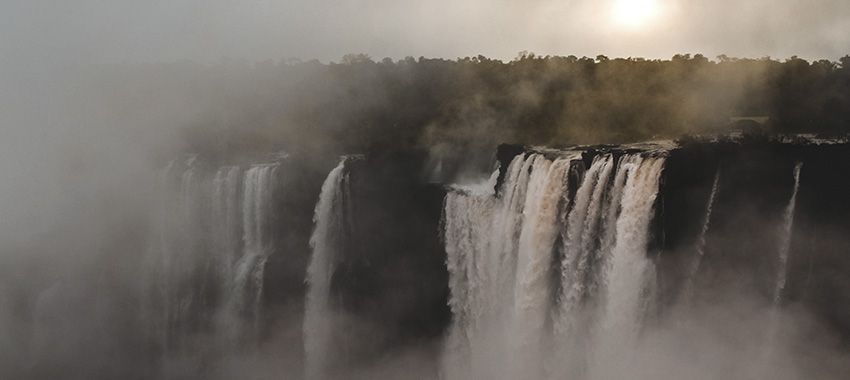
207, 30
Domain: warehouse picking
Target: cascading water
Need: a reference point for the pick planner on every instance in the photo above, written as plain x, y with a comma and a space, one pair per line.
499, 254
227, 227
246, 289
226, 214
579, 241
785, 237
214, 240
775, 323
629, 274
331, 220
582, 255
174, 305
501, 250
534, 288
468, 263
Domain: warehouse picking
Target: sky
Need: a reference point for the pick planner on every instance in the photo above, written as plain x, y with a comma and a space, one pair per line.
86, 31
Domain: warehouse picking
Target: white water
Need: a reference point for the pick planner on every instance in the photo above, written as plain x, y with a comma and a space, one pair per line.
785, 237
214, 241
699, 247
246, 290
533, 289
174, 296
226, 218
629, 275
331, 221
505, 299
580, 241
499, 258
774, 326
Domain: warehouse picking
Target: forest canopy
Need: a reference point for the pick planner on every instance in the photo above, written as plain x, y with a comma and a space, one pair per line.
360, 104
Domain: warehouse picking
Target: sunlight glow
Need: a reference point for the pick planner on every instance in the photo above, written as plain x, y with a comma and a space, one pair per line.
634, 14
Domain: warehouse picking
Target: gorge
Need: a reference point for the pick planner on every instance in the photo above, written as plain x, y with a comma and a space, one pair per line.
725, 256
567, 261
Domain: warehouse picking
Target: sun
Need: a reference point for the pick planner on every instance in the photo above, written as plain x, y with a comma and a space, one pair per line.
634, 14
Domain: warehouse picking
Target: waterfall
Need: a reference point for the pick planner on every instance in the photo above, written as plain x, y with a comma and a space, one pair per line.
467, 259
785, 237
331, 224
473, 272
579, 241
775, 322
699, 247
226, 215
213, 240
245, 293
499, 257
590, 241
175, 303
628, 276
534, 288
504, 249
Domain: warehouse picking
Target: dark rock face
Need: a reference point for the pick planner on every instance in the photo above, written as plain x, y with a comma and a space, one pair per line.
820, 246
299, 183
391, 280
504, 154
742, 243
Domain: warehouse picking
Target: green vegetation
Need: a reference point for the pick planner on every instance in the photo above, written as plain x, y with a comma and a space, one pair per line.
360, 104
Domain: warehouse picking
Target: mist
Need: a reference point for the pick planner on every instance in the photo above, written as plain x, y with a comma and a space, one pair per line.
121, 121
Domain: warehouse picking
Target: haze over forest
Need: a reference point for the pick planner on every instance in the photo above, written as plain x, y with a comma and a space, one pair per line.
97, 98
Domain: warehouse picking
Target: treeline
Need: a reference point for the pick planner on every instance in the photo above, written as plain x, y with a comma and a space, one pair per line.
453, 106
